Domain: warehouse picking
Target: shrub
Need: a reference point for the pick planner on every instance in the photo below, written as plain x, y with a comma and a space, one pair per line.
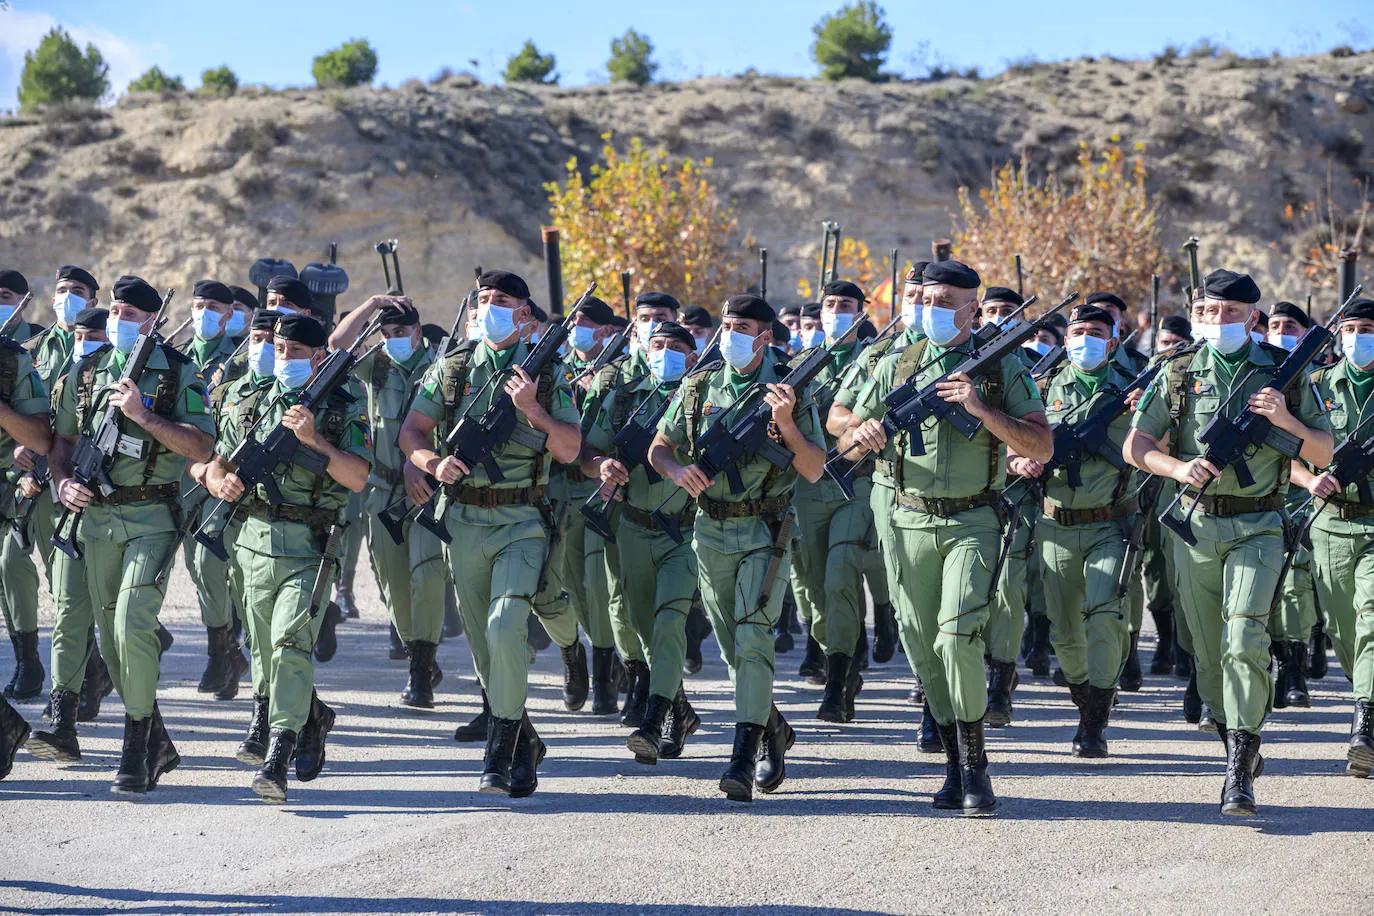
630, 59
852, 42
58, 71
1320, 230
156, 81
219, 81
351, 64
529, 66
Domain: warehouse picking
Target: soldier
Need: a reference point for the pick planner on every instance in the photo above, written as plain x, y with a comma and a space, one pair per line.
500, 529
411, 574
1230, 576
279, 547
1344, 528
13, 287
127, 536
741, 540
946, 529
699, 323
238, 323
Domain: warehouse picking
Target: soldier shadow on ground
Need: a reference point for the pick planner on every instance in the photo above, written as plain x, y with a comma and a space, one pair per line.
153, 903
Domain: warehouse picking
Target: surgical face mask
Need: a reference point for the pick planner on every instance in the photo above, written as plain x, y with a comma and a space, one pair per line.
794, 343
261, 357
701, 343
124, 333
1359, 349
737, 348
911, 314
1224, 338
85, 348
939, 324
236, 323
67, 306
6, 311
1039, 346
1287, 341
534, 338
667, 365
1257, 337
497, 323
812, 338
1116, 329
582, 338
836, 323
1087, 353
293, 373
206, 323
472, 332
285, 310
399, 349
645, 330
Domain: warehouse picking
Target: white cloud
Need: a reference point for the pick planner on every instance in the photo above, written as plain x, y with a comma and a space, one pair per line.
20, 32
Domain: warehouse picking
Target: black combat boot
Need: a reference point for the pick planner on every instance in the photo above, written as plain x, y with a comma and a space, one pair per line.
575, 682
1238, 795
1207, 721
14, 731
14, 674
253, 748
861, 652
1079, 694
343, 597
477, 729
132, 777
419, 689
536, 637
929, 740
604, 687
311, 751
218, 667
783, 640
853, 683
1163, 660
950, 797
238, 667
978, 799
529, 753
813, 662
1000, 677
917, 695
28, 675
59, 744
645, 740
165, 640
396, 649
681, 723
328, 641
884, 633
500, 755
778, 738
1278, 651
1095, 715
1192, 700
1038, 659
1316, 651
1360, 756
637, 697
698, 628
1131, 678
1297, 675
832, 708
738, 780
1183, 662
162, 753
270, 781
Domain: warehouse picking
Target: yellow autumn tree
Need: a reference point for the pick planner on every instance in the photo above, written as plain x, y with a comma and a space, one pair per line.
856, 264
661, 221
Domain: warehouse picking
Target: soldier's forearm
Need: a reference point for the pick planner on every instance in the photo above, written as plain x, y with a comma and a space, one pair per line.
565, 441
347, 469
840, 420
1027, 436
32, 432
181, 438
1317, 446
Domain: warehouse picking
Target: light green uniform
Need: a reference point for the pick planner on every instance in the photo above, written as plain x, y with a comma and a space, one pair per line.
1343, 548
944, 552
1132, 362
412, 575
22, 390
1228, 579
277, 549
734, 537
497, 550
127, 538
1082, 554
1296, 614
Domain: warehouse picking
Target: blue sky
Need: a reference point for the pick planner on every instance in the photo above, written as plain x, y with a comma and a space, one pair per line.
273, 43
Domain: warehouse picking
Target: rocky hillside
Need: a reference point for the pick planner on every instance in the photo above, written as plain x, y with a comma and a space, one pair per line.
178, 188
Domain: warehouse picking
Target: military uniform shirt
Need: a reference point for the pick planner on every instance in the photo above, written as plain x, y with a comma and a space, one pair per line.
1070, 398
52, 355
601, 431
388, 404
28, 399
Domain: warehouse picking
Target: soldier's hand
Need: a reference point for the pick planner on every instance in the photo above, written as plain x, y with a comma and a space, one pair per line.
450, 469
1026, 467
23, 458
1197, 472
216, 377
612, 472
1134, 397
129, 400
1323, 485
959, 389
1270, 403
29, 487
73, 495
693, 480
416, 484
783, 400
230, 488
871, 435
523, 391
301, 422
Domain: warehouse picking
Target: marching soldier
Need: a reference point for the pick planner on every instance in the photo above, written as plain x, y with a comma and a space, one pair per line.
500, 529
741, 540
279, 548
946, 530
1230, 576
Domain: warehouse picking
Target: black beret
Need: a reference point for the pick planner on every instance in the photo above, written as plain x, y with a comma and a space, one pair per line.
747, 306
1177, 324
597, 311
914, 274
244, 297
433, 333
811, 310
405, 317
92, 319
657, 300
1229, 285
1092, 313
302, 329
1002, 294
790, 310
1360, 308
506, 282
674, 331
1105, 299
14, 281
950, 273
1054, 330
295, 291
866, 331
537, 313
781, 333
137, 292
697, 316
265, 320
77, 274
1058, 320
843, 288
212, 289
1289, 310
619, 322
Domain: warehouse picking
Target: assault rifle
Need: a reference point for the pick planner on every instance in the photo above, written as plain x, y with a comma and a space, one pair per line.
12, 322
1076, 442
23, 505
612, 351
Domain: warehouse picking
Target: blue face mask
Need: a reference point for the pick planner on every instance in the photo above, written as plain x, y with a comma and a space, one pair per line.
1224, 338
207, 324
236, 323
399, 349
794, 343
1359, 349
701, 343
939, 324
835, 323
582, 338
85, 348
737, 348
293, 373
911, 314
667, 365
67, 306
1039, 346
1286, 341
1087, 353
497, 323
261, 358
6, 311
123, 333
645, 330
812, 338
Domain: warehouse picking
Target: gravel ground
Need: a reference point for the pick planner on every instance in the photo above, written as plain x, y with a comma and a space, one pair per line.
396, 825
